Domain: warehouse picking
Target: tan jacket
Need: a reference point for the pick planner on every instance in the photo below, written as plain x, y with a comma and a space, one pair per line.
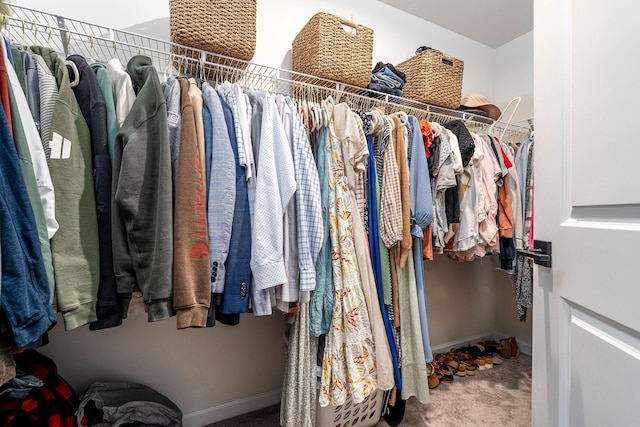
191, 271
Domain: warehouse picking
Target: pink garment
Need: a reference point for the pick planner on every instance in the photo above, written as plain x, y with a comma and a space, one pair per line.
488, 228
531, 227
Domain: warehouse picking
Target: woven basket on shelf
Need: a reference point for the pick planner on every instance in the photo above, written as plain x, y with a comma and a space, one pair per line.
325, 48
222, 27
434, 78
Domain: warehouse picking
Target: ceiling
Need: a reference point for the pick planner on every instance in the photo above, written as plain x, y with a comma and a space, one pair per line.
490, 22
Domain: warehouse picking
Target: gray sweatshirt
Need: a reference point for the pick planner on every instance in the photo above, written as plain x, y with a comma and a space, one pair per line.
142, 217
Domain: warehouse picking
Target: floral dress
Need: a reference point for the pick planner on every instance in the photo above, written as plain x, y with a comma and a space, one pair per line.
348, 365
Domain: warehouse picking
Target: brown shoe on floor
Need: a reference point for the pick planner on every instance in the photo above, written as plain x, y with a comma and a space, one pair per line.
433, 380
506, 348
515, 351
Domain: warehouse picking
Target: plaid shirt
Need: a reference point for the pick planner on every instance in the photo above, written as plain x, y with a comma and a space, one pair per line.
310, 227
54, 404
391, 195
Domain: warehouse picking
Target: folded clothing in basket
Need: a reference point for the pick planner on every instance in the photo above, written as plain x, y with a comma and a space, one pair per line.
387, 79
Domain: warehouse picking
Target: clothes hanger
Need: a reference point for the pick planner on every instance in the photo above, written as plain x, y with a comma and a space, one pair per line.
76, 74
517, 100
168, 68
404, 117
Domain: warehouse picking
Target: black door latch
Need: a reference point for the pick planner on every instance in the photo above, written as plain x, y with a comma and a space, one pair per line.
541, 253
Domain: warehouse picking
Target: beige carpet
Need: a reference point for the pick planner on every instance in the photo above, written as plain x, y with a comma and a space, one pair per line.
498, 397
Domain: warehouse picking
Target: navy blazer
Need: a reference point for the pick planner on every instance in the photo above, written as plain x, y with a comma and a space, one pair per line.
237, 284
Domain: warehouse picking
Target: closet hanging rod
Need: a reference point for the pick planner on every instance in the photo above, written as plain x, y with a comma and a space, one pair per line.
28, 26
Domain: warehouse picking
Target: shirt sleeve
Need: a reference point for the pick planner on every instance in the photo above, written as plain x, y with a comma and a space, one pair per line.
309, 210
421, 199
275, 186
222, 191
390, 200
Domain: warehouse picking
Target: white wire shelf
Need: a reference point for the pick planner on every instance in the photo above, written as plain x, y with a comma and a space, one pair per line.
27, 27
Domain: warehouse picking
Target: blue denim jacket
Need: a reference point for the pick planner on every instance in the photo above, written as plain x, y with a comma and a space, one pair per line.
25, 289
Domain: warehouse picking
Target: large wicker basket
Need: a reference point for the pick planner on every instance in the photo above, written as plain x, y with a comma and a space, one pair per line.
222, 27
325, 48
434, 78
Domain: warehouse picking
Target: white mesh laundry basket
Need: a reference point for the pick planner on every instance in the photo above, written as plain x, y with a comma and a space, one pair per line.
364, 414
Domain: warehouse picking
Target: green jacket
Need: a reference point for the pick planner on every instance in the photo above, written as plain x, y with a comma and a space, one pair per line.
75, 246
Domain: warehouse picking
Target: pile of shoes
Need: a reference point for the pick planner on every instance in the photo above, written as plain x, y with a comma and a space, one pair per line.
387, 79
466, 361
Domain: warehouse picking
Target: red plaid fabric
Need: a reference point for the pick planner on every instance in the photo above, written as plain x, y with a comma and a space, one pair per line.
52, 405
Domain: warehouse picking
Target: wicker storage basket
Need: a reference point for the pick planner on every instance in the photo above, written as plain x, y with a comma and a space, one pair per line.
223, 27
434, 78
324, 48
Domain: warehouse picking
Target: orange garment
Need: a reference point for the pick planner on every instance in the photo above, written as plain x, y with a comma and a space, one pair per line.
427, 136
505, 214
427, 243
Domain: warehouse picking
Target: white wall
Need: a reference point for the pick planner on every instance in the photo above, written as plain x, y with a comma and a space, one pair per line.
200, 369
460, 300
396, 36
396, 33
196, 368
514, 75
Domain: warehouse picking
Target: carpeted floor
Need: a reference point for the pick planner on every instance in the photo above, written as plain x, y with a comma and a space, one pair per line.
499, 397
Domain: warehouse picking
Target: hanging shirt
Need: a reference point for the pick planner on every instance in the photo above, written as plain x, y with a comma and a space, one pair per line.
31, 86
289, 292
227, 92
275, 186
38, 156
310, 234
321, 307
391, 197
262, 300
123, 91
222, 190
48, 96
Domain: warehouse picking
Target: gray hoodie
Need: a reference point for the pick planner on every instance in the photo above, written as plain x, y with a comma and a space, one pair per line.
142, 217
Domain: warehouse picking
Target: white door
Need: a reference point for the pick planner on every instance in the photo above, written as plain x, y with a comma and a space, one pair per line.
586, 319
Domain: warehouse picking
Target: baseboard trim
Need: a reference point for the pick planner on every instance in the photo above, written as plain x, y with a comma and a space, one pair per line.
445, 347
226, 410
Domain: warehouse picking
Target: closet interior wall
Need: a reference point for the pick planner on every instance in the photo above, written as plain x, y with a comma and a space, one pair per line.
220, 372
